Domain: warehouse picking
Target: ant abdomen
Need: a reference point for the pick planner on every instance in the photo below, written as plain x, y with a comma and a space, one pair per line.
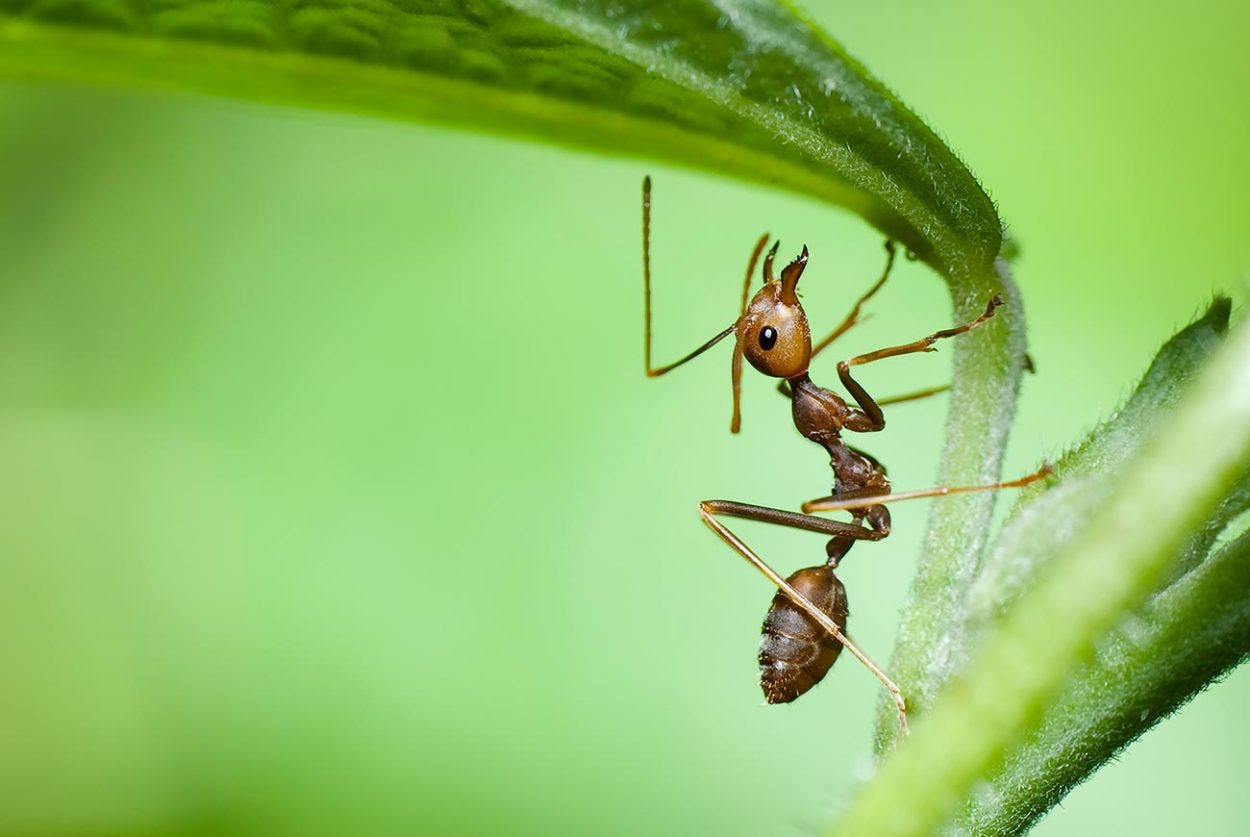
795, 652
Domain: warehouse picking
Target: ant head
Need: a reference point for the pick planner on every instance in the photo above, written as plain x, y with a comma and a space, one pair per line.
773, 333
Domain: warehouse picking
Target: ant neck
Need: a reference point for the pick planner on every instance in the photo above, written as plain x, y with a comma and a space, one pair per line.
799, 381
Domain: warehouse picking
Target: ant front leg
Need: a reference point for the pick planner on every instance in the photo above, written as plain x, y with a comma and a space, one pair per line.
783, 387
843, 532
872, 418
852, 319
853, 316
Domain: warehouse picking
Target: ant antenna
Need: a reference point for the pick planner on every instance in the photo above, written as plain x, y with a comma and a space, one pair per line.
655, 372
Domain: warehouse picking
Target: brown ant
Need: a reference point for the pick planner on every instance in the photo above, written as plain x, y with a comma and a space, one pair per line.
805, 628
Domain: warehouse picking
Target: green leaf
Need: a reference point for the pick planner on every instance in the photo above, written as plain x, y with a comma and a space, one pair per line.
986, 375
1047, 515
746, 88
1161, 654
1111, 565
1177, 644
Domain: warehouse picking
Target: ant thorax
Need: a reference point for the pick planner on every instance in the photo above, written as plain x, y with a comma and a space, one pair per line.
819, 415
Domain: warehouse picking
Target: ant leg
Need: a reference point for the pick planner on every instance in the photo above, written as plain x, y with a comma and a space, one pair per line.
872, 418
784, 388
795, 520
755, 257
735, 372
925, 344
916, 395
708, 510
859, 500
853, 318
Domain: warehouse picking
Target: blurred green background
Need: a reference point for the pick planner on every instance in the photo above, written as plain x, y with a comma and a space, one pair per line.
335, 499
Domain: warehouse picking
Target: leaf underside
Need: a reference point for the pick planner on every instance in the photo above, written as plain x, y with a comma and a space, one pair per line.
745, 88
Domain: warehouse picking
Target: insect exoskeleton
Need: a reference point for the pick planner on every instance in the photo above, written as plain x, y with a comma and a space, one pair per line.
805, 630
795, 652
773, 332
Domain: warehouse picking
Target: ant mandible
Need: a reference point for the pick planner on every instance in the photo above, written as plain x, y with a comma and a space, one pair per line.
805, 629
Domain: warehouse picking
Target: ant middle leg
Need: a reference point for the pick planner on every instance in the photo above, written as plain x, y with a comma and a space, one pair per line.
864, 500
915, 395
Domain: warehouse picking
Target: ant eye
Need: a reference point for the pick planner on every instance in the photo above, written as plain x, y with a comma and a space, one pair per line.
768, 337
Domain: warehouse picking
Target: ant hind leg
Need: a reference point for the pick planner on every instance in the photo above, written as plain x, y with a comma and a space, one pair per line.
709, 509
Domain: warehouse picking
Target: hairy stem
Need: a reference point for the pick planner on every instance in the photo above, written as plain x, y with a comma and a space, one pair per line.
1186, 638
986, 372
1108, 569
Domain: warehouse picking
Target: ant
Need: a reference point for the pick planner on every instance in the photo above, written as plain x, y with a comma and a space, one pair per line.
805, 629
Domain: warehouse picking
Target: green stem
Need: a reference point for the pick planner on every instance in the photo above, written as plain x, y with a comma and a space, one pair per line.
1189, 636
1108, 569
1049, 513
986, 375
